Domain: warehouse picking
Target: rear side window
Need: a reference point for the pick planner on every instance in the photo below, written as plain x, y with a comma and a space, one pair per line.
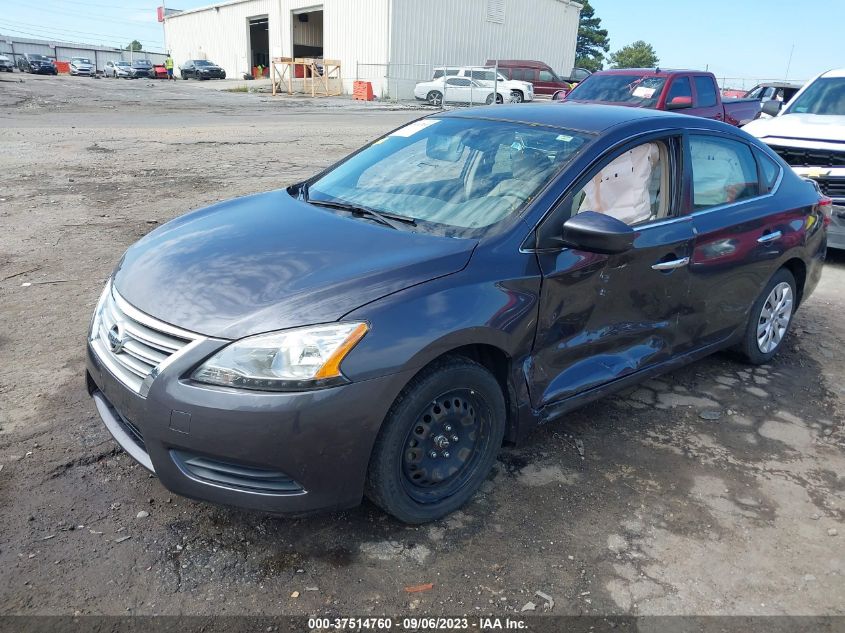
723, 171
770, 171
523, 74
706, 91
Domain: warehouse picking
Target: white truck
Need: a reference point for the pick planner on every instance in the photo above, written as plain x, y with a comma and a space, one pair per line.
809, 134
519, 90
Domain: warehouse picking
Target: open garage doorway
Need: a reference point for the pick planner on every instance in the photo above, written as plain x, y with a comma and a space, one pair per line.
307, 32
259, 42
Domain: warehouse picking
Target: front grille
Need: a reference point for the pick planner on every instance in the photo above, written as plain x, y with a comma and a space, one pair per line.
247, 478
832, 187
804, 157
132, 344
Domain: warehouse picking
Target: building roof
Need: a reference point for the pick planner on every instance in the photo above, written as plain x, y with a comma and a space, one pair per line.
208, 7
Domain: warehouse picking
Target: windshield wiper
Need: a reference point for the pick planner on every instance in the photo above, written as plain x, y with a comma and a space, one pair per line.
390, 220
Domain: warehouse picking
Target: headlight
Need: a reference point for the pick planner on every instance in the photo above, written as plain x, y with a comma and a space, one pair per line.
304, 358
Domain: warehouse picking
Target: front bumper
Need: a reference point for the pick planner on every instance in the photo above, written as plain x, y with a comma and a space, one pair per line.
283, 453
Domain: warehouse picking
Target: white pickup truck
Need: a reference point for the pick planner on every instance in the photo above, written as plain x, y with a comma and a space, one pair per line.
809, 134
519, 90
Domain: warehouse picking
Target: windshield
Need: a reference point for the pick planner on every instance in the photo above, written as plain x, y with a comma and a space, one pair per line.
121, 63
141, 62
38, 58
632, 89
202, 62
80, 60
455, 176
823, 96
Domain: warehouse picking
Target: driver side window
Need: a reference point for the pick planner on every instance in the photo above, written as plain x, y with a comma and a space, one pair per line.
633, 187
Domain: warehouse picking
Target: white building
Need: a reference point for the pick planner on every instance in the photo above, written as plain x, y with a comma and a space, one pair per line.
392, 43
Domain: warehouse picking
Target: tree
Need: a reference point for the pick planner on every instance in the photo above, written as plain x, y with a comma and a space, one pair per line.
637, 55
134, 45
592, 40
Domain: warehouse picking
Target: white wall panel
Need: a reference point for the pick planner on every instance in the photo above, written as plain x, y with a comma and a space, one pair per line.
464, 32
220, 34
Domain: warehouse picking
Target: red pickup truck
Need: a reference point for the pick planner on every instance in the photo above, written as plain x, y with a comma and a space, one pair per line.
685, 91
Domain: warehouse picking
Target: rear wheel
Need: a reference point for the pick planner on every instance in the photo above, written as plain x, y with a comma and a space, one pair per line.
438, 442
498, 97
434, 98
771, 316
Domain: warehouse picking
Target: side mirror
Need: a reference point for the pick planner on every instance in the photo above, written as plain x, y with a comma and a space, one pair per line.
597, 233
772, 107
679, 103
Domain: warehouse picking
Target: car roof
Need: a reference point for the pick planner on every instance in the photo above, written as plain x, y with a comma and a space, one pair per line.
836, 72
777, 84
528, 63
649, 72
586, 117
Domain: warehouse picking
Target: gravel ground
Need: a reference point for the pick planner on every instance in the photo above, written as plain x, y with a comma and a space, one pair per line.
719, 489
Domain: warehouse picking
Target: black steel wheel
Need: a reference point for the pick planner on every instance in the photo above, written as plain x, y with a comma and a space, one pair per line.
438, 442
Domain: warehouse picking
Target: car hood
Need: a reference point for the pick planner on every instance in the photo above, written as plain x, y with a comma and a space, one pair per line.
814, 127
269, 262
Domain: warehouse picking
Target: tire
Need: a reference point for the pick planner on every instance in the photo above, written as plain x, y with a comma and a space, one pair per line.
769, 319
499, 99
417, 471
517, 96
435, 98
184, 77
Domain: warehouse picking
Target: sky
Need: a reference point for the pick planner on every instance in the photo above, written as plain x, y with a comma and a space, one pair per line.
741, 39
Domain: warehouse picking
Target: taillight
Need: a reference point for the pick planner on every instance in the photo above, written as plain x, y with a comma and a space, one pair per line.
826, 207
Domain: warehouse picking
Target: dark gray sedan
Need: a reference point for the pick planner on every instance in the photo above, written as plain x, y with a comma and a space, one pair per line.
383, 327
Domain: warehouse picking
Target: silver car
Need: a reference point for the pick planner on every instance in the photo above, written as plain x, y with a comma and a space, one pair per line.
117, 69
6, 64
82, 66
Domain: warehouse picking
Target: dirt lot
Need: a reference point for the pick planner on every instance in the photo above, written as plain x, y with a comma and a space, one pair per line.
718, 489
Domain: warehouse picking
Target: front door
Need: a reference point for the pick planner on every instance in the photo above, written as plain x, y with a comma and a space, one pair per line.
604, 317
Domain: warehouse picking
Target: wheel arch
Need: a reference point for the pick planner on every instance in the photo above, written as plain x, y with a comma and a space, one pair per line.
798, 269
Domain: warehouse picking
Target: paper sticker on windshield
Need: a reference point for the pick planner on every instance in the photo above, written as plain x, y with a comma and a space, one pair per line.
564, 137
643, 92
413, 128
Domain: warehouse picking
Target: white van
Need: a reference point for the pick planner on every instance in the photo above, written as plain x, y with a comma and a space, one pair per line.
520, 90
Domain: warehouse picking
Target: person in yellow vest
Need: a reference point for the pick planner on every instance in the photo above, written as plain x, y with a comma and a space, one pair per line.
168, 66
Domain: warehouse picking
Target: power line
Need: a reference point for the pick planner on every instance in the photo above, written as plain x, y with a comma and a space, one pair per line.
38, 27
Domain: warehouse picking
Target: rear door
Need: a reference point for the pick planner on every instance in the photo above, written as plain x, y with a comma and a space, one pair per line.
739, 237
604, 317
458, 90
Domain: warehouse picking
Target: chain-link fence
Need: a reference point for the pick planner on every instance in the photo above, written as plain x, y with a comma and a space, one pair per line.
437, 84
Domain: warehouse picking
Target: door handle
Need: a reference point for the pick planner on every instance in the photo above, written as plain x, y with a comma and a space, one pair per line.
671, 265
770, 237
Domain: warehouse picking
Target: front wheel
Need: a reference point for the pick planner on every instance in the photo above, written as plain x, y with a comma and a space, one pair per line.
516, 96
438, 441
771, 316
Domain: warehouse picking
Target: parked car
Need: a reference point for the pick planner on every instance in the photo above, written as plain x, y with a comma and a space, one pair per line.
519, 90
36, 64
459, 90
6, 64
140, 68
685, 91
82, 66
540, 75
809, 134
383, 326
772, 91
158, 71
117, 69
201, 69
